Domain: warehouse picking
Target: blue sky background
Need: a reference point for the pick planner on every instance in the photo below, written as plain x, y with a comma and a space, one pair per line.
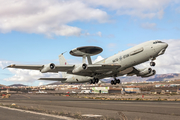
37, 33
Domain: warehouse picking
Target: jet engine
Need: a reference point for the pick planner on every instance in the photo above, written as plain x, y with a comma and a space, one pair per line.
47, 68
80, 68
144, 72
153, 72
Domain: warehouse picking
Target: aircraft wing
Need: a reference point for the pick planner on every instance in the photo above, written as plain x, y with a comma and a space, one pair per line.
103, 67
53, 79
63, 68
100, 69
92, 69
30, 67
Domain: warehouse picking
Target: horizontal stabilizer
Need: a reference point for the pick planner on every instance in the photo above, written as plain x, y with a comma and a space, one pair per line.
53, 79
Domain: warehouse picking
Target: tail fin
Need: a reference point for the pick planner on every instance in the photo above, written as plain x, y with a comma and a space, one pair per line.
63, 61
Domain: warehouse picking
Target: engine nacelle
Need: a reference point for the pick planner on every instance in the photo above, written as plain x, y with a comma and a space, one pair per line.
80, 68
47, 68
153, 72
145, 72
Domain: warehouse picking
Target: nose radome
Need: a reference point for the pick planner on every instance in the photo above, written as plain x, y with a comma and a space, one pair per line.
165, 45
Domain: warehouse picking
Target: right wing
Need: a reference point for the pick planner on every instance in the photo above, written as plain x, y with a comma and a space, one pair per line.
90, 71
30, 67
53, 79
44, 68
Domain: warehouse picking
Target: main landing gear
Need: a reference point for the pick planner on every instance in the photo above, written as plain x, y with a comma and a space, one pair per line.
94, 81
152, 63
115, 81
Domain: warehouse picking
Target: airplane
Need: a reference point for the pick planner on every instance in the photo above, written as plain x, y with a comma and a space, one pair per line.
119, 64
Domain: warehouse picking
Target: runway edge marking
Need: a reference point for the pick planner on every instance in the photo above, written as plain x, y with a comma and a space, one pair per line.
37, 113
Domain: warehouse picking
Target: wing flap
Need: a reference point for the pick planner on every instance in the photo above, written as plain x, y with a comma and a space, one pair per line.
103, 69
104, 66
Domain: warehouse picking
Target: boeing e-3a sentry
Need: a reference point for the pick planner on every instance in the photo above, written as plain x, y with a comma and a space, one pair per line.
119, 64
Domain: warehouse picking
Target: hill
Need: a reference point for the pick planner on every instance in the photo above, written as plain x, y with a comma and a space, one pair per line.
157, 77
2, 86
17, 85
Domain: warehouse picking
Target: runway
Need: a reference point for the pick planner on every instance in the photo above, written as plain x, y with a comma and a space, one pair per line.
17, 114
132, 110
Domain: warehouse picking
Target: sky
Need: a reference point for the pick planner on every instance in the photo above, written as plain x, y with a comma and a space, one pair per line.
36, 32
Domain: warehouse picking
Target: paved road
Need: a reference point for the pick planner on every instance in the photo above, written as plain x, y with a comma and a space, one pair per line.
133, 110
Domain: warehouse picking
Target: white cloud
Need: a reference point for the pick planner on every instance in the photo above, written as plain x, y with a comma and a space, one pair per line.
178, 10
96, 34
111, 46
138, 8
41, 83
149, 26
47, 17
99, 34
168, 62
51, 17
21, 75
4, 63
99, 58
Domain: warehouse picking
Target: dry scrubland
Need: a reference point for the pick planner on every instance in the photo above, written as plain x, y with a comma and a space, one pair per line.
149, 97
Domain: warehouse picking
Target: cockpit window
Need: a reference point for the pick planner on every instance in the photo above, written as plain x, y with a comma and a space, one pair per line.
157, 42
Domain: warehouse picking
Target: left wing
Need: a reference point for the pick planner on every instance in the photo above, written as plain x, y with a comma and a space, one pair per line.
95, 69
44, 68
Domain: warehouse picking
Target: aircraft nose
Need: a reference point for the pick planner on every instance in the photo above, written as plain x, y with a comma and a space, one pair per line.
165, 45
163, 48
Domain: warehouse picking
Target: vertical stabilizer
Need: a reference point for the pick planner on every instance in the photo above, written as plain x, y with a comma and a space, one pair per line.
62, 61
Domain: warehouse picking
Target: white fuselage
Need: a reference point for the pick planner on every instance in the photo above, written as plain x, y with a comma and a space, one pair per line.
128, 58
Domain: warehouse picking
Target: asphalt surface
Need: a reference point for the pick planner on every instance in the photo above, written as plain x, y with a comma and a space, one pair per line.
132, 110
16, 114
